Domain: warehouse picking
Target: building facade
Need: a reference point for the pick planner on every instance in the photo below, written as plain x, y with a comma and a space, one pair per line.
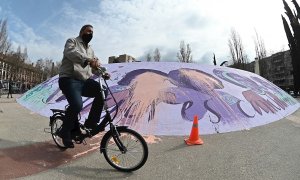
278, 69
121, 59
23, 76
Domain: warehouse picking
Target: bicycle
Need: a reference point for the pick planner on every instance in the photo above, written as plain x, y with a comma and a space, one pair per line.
117, 143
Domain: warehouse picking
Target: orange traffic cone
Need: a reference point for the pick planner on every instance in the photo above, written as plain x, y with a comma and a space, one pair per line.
194, 136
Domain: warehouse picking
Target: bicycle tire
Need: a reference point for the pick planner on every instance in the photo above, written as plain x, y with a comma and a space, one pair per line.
55, 127
117, 159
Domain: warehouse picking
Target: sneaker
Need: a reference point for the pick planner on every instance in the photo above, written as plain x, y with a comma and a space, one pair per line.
93, 127
67, 143
79, 133
89, 126
86, 131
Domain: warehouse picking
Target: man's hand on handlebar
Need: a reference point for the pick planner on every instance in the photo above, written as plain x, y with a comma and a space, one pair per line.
94, 63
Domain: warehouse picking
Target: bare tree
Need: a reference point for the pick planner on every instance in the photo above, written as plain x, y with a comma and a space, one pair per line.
237, 52
39, 64
260, 48
149, 57
56, 68
19, 53
292, 31
5, 45
25, 56
260, 51
47, 67
15, 65
156, 55
184, 54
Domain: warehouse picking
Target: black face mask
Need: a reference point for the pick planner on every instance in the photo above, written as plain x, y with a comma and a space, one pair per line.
87, 38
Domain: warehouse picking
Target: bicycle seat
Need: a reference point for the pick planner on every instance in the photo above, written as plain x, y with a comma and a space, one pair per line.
57, 111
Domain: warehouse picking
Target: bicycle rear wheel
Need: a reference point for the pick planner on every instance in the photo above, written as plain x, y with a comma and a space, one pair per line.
55, 128
133, 158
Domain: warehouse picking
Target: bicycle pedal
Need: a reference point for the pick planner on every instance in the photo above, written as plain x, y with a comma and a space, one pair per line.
88, 133
84, 142
78, 141
81, 142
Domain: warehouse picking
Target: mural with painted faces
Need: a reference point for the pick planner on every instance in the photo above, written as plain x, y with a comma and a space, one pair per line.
192, 88
253, 93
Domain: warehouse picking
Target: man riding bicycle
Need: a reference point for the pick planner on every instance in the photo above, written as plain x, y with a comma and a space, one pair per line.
79, 63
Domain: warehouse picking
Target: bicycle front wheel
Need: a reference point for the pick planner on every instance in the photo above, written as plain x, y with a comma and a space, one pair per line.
135, 155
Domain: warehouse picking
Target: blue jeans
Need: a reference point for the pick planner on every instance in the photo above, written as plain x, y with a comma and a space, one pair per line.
74, 90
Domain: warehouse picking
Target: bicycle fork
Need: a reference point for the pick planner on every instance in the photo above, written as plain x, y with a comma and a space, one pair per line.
116, 137
114, 132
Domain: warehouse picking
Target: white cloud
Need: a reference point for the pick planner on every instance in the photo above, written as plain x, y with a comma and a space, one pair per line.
131, 26
139, 26
24, 36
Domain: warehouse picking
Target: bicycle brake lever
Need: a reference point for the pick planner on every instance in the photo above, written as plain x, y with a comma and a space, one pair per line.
102, 69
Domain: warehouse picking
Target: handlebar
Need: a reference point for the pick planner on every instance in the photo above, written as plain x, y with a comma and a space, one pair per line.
101, 70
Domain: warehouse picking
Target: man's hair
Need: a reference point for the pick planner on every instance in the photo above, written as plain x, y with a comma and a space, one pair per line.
84, 27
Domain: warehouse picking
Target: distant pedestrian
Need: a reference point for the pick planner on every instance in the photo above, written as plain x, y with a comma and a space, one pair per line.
1, 86
23, 88
9, 89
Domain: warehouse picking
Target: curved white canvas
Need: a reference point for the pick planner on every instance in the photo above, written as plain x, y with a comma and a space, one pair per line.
162, 98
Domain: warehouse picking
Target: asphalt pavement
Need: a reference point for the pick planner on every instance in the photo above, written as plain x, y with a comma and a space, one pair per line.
266, 152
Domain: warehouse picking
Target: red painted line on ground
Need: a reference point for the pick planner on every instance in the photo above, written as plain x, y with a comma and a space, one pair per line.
34, 158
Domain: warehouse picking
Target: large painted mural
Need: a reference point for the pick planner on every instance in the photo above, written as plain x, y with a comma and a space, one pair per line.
162, 98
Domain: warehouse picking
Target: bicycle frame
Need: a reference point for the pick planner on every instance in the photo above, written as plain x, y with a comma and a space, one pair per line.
113, 129
103, 95
106, 120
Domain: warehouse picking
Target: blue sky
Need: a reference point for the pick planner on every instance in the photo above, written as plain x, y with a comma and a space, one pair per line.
136, 27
